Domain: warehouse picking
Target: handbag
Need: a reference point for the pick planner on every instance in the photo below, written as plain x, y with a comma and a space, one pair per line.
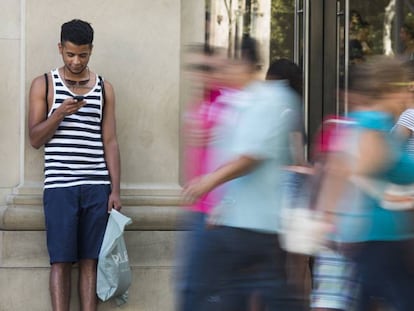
114, 274
303, 230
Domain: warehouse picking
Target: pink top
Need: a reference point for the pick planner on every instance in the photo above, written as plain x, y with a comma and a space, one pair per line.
329, 136
201, 119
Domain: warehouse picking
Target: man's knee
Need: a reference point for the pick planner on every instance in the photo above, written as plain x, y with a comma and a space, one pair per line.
88, 266
61, 267
88, 263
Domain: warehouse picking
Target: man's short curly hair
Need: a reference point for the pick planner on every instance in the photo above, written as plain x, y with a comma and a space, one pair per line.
76, 31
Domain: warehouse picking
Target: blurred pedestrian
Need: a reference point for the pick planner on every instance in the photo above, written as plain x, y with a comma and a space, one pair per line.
404, 128
298, 265
245, 258
334, 279
378, 240
201, 117
284, 69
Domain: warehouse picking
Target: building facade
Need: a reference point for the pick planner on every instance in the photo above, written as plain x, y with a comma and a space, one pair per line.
137, 47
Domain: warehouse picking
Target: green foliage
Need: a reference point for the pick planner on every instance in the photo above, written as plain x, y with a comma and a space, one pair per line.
282, 25
373, 12
282, 29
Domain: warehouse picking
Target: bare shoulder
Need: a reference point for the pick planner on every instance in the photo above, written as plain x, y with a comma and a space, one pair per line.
38, 86
38, 81
106, 82
109, 91
108, 85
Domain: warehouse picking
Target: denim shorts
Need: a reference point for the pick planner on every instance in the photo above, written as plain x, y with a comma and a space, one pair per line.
76, 219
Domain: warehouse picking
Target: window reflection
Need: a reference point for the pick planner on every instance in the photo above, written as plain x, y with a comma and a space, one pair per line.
363, 28
374, 28
383, 26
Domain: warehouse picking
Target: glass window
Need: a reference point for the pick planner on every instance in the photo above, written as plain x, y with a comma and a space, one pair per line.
375, 27
282, 29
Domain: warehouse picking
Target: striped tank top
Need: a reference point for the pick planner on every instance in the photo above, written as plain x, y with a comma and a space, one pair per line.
75, 155
406, 120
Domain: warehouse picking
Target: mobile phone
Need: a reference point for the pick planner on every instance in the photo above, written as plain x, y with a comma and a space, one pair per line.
79, 98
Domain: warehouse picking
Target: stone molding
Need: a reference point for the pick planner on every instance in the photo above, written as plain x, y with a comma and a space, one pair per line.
150, 208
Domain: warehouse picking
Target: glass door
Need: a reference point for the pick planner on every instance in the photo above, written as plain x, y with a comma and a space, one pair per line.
280, 26
362, 29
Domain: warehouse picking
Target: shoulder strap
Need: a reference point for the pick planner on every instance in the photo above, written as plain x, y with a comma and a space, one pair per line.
46, 93
101, 80
103, 89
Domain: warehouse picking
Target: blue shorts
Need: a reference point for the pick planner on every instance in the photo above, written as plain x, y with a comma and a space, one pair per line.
76, 219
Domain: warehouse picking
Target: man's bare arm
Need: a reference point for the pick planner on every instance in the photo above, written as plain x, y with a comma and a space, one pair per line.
111, 147
41, 128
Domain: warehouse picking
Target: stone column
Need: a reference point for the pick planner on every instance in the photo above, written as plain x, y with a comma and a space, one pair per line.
137, 48
11, 98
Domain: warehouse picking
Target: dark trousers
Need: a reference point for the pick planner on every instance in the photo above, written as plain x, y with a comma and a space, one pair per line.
237, 269
194, 277
386, 273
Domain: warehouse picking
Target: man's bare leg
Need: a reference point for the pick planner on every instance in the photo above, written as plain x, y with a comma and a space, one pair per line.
87, 285
60, 283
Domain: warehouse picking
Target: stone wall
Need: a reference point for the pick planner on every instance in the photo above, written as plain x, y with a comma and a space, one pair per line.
137, 48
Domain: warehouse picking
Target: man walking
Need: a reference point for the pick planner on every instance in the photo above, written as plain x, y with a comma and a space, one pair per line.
72, 114
242, 264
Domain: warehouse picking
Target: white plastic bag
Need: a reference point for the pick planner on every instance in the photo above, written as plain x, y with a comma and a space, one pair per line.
114, 274
304, 232
302, 229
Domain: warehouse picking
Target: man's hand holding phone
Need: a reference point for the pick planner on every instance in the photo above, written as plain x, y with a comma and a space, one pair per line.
71, 105
79, 98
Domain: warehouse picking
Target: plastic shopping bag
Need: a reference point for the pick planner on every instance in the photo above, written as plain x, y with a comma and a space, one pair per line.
114, 273
302, 229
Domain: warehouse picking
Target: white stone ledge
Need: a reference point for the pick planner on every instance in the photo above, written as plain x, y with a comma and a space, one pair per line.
151, 207
31, 217
150, 190
127, 200
27, 249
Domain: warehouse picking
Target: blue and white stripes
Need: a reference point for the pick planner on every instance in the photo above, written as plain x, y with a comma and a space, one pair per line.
75, 154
